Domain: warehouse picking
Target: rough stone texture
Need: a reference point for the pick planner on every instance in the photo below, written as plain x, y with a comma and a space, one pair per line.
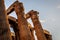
11, 8
14, 23
37, 25
24, 32
4, 26
16, 30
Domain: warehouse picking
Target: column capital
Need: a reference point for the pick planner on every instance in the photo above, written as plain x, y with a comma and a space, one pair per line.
33, 12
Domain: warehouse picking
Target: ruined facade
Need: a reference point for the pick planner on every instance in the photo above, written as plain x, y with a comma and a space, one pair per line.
22, 29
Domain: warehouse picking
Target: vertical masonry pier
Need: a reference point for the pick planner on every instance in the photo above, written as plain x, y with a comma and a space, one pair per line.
37, 25
4, 24
24, 32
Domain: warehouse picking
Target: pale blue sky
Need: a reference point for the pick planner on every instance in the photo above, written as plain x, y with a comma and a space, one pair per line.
49, 13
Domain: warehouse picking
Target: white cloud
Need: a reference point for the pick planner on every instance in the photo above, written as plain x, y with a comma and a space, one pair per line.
42, 21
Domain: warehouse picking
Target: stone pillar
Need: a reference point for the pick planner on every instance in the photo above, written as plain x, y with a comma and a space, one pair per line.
4, 25
37, 25
24, 32
16, 31
17, 35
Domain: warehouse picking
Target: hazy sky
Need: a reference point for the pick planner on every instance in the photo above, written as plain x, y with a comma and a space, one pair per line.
49, 13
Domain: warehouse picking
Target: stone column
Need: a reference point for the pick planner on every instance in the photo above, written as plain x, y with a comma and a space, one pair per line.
16, 31
17, 35
4, 25
24, 32
37, 25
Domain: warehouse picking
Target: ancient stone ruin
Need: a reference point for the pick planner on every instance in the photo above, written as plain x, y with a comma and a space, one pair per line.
22, 29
